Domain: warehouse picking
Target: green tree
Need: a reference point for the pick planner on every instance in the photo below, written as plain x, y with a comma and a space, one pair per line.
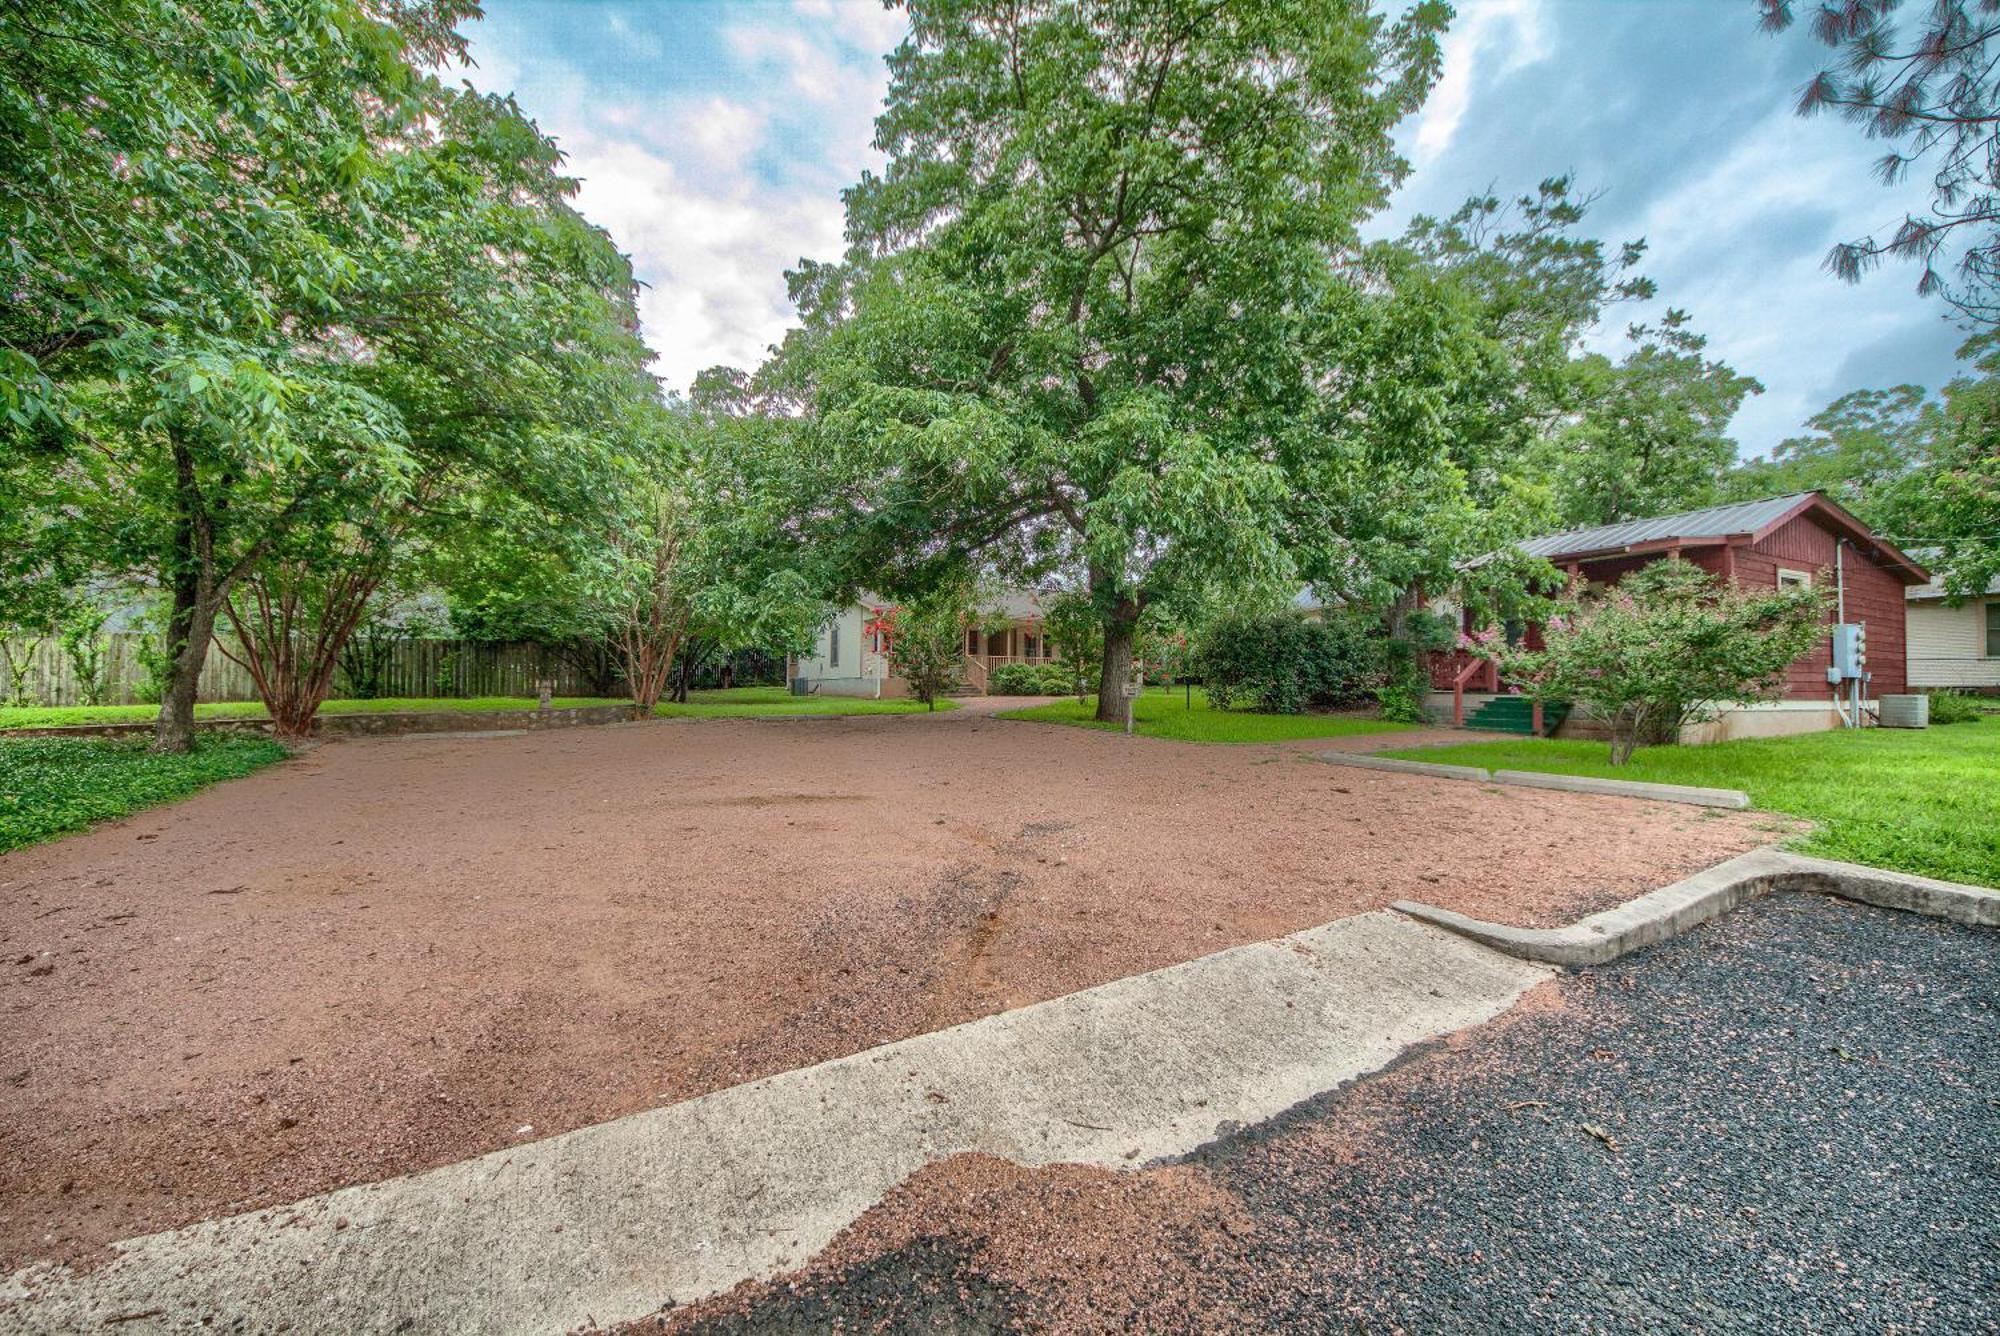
1667, 646
1084, 321
927, 641
1853, 448
1653, 435
1076, 633
1924, 81
299, 282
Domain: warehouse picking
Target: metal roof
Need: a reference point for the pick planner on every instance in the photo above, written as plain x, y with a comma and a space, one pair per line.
1711, 522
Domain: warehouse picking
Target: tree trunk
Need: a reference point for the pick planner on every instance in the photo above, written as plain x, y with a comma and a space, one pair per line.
1119, 635
189, 630
1624, 735
196, 603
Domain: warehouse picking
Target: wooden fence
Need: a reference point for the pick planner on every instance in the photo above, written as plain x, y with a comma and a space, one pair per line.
460, 668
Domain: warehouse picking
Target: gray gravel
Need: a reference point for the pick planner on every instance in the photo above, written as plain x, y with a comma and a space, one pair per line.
1805, 1103
1786, 1121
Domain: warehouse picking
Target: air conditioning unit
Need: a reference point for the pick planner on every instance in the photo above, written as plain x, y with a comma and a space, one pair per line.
1906, 711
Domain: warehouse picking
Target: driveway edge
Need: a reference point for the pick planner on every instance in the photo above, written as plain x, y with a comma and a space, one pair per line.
1734, 799
1672, 910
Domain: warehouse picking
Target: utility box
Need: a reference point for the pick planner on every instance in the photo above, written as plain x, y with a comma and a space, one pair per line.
1850, 653
1906, 711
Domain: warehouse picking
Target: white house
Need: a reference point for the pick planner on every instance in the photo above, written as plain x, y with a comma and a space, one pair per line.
1954, 647
850, 657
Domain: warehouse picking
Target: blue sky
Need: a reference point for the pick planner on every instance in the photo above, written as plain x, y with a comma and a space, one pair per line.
713, 140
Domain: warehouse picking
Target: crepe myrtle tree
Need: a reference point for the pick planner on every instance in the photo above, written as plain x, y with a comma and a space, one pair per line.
925, 641
1667, 646
1081, 321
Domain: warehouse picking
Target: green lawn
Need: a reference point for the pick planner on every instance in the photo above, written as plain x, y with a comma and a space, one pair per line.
1163, 713
770, 702
737, 702
58, 716
51, 786
1925, 801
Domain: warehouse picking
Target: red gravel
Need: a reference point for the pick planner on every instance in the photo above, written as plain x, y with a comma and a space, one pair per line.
389, 955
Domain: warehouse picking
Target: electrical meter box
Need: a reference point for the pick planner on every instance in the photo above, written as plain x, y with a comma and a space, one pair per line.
1850, 653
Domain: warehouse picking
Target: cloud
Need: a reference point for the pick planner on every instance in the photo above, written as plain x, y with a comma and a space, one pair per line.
1510, 29
712, 143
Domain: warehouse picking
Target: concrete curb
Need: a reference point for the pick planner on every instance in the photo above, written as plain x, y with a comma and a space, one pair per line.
1674, 909
1625, 788
1363, 761
1536, 779
607, 1223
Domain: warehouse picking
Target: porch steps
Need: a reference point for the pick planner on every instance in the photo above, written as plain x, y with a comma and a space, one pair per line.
1515, 714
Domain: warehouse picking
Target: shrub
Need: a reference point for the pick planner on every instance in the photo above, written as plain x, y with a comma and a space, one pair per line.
1284, 663
1954, 707
1401, 703
1669, 645
1016, 679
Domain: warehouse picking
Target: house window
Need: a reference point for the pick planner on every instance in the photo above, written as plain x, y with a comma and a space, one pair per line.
1794, 579
833, 646
972, 641
1029, 644
1993, 628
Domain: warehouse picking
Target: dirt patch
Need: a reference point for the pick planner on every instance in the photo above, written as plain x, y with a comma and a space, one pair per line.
382, 957
1109, 1251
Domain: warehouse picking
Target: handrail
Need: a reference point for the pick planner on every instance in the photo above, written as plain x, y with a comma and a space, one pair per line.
1466, 674
971, 662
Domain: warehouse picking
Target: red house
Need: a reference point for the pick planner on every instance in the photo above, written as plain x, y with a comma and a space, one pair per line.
1799, 539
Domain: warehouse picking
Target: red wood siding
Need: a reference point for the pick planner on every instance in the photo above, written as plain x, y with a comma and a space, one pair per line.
1874, 598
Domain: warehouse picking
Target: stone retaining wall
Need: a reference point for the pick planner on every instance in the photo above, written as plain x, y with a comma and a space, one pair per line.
371, 725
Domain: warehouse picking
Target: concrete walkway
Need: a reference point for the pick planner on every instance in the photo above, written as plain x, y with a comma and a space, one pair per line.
608, 1223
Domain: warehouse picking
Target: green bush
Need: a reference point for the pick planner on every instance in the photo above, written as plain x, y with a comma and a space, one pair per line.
1031, 679
1285, 663
1954, 707
1401, 703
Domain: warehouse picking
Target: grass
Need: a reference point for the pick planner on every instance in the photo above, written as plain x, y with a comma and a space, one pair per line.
737, 702
1925, 801
62, 715
52, 786
774, 702
1164, 713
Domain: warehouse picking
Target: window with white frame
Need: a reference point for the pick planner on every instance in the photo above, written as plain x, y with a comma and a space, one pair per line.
1794, 579
833, 646
1993, 628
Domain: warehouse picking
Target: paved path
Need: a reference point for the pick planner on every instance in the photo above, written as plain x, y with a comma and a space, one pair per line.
1783, 1121
609, 1222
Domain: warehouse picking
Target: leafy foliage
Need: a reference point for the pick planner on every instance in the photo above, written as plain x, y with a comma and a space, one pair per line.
1031, 679
295, 281
1285, 663
1653, 436
1954, 707
1926, 85
51, 786
927, 640
1093, 298
1666, 646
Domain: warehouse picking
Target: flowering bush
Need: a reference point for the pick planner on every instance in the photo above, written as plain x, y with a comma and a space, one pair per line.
1667, 646
924, 641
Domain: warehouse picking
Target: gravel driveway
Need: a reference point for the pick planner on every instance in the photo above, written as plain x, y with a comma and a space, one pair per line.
1784, 1121
390, 955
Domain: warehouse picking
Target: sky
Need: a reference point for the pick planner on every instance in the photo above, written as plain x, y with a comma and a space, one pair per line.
713, 139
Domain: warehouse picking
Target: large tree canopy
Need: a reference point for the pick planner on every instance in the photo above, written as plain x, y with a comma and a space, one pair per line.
271, 275
1086, 315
